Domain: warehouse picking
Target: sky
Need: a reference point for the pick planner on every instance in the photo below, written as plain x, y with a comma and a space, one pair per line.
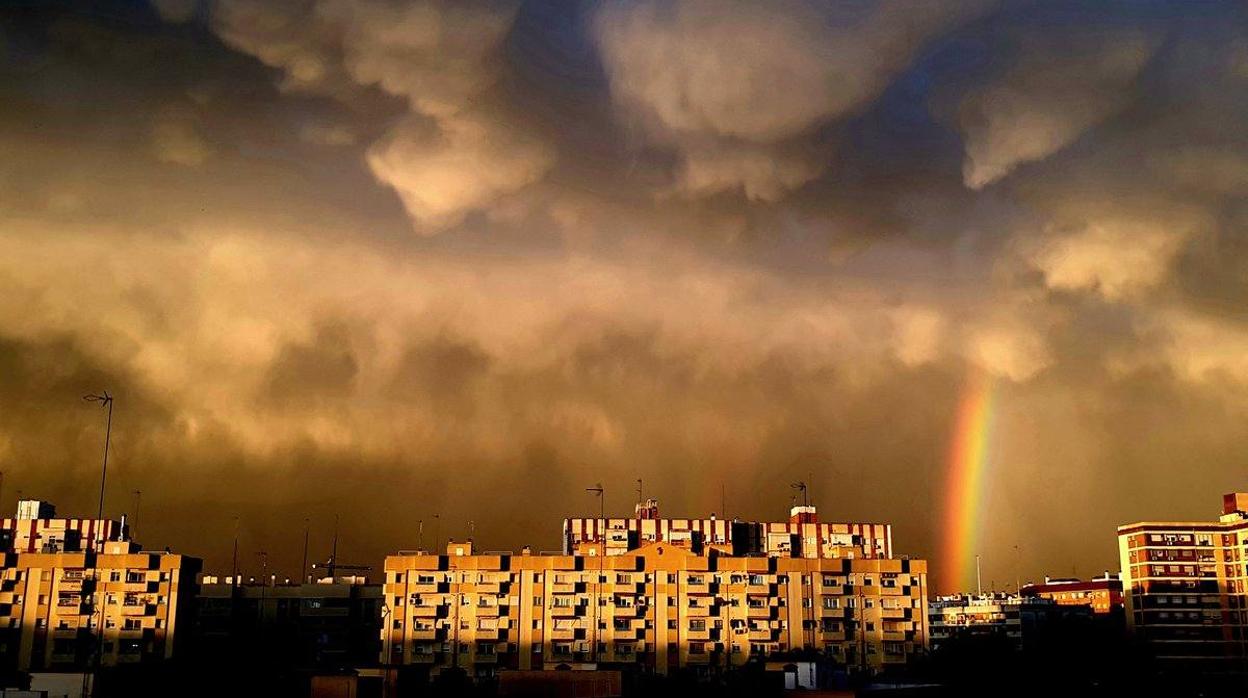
453, 262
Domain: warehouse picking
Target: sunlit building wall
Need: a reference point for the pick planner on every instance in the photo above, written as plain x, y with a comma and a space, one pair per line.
53, 605
1184, 583
659, 607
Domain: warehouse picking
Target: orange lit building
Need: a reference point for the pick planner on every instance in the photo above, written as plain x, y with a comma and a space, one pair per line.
62, 580
675, 602
1102, 594
1185, 589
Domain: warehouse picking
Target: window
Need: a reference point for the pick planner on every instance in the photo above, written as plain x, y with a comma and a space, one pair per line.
697, 648
697, 624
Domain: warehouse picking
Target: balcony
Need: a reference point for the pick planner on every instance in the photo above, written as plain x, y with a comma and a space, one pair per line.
485, 658
760, 612
425, 634
702, 634
426, 611
487, 611
561, 634
138, 609
761, 634
490, 634
698, 611
565, 611
699, 588
626, 634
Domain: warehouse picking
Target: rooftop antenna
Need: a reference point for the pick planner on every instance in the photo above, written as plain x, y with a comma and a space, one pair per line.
979, 586
332, 563
640, 499
723, 500
801, 487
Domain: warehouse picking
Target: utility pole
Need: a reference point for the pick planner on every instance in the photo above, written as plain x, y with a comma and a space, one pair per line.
600, 492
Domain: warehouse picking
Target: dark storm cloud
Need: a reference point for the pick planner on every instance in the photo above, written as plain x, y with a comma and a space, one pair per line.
391, 260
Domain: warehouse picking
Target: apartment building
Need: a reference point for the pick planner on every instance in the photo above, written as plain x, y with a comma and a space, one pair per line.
1010, 617
669, 604
63, 581
1103, 595
801, 536
1184, 586
331, 624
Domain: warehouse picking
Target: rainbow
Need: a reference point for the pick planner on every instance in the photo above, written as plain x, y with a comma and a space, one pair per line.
969, 459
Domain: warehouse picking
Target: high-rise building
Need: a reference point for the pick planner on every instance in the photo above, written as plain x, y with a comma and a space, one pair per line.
1184, 583
677, 601
62, 581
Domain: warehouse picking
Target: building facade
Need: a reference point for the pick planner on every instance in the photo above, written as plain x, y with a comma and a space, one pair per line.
801, 536
669, 604
82, 579
1184, 587
332, 624
1015, 619
1103, 595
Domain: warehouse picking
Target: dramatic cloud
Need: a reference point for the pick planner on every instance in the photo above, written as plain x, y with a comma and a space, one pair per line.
730, 86
451, 156
389, 260
1058, 88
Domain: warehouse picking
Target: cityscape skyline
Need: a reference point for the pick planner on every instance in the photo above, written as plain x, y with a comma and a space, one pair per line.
376, 274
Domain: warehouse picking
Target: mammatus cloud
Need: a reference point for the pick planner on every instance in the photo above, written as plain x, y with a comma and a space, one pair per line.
739, 89
1115, 254
1059, 86
454, 153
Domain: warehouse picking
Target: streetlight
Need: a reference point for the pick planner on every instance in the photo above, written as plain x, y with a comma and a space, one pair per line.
105, 400
600, 492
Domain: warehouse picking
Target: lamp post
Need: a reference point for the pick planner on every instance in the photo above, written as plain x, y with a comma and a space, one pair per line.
106, 401
600, 492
